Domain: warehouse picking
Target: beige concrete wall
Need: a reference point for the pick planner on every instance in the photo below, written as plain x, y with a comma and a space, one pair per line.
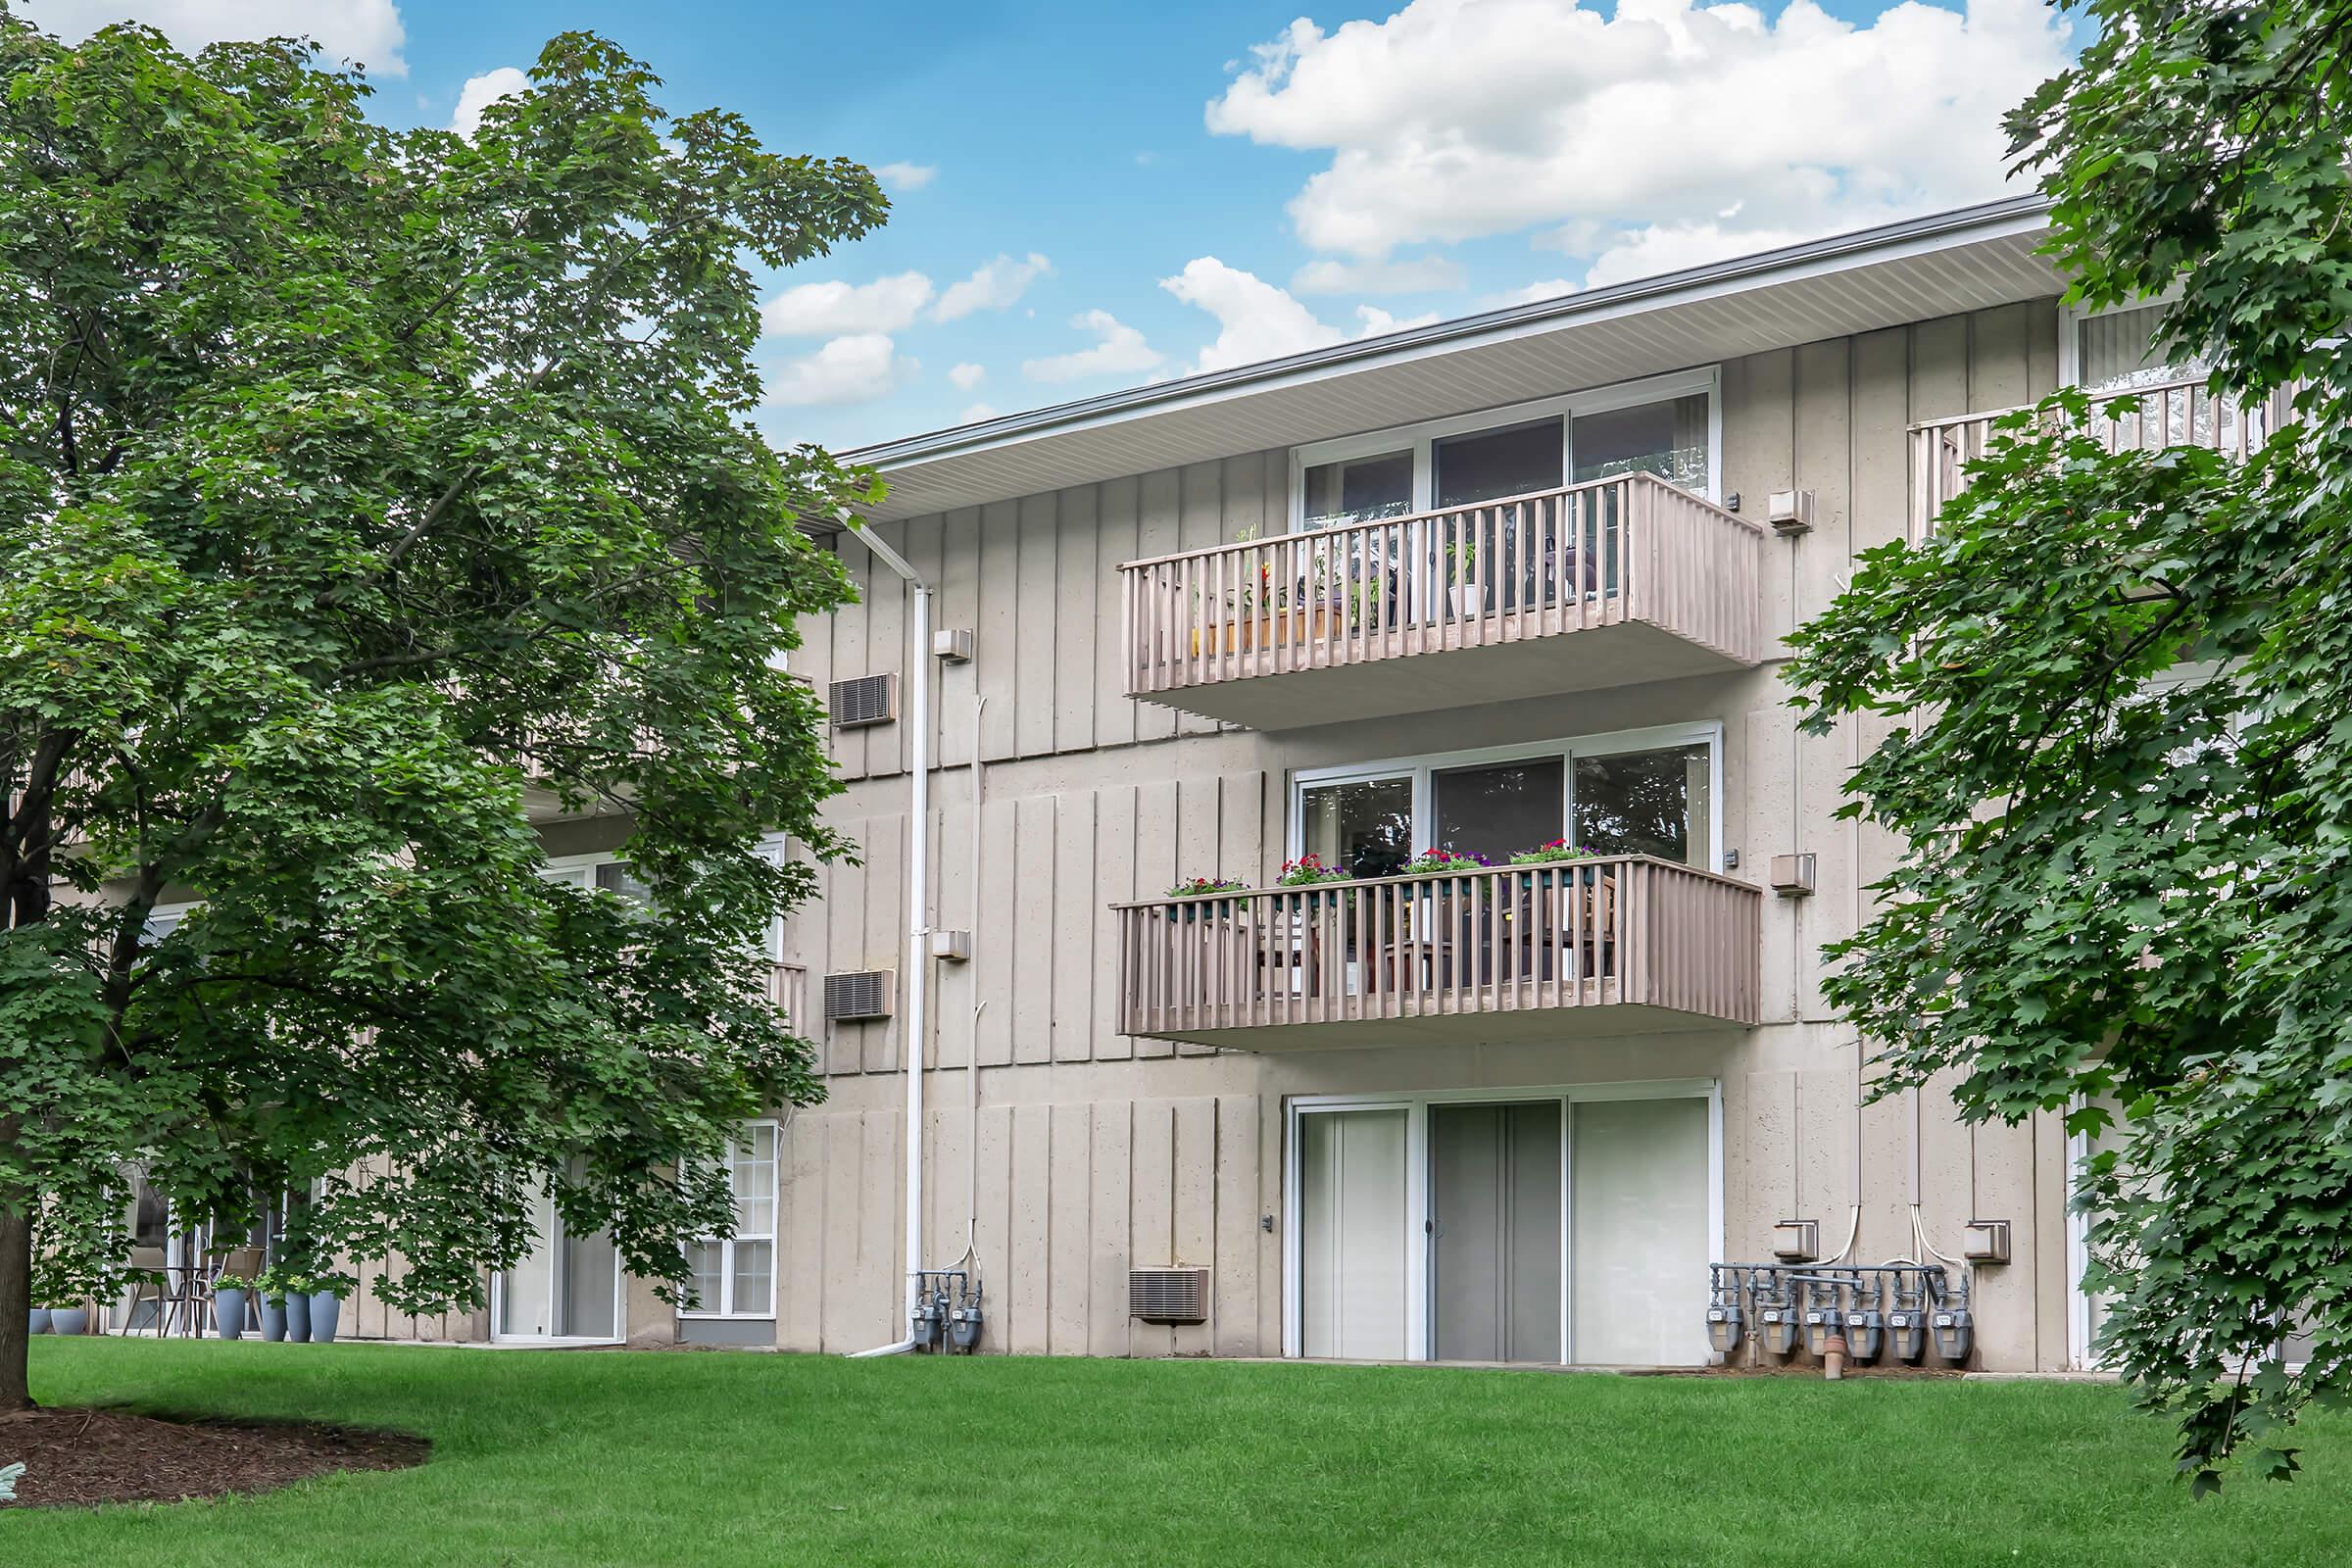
1097, 1152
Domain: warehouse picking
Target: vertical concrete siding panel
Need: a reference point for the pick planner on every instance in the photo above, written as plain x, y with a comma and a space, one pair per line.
948, 1182
1108, 1218
801, 1248
844, 1162
1028, 1272
1770, 1129
846, 944
1157, 835
998, 646
959, 607
1759, 407
1202, 524
1077, 962
1037, 633
1879, 514
1201, 839
2041, 349
1114, 882
889, 619
1196, 1208
1069, 1269
998, 943
1825, 1151
2053, 1282
1241, 827
2000, 356
1086, 624
1151, 1211
883, 1225
1234, 1322
1947, 1194
1772, 829
1115, 508
2007, 1292
1272, 1171
1033, 937
1886, 1180
1159, 532
1823, 560
955, 987
1940, 368
997, 1261
851, 657
886, 915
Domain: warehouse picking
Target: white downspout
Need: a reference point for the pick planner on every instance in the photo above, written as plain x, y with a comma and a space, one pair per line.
918, 924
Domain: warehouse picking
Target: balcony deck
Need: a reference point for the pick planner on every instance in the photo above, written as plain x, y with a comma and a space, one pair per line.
1620, 944
1607, 583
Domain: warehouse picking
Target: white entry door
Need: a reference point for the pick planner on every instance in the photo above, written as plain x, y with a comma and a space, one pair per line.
1353, 1212
566, 1287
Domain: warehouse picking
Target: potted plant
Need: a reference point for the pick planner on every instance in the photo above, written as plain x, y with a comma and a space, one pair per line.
1307, 870
1187, 894
326, 1294
1437, 863
1553, 851
270, 1287
73, 1319
39, 1323
232, 1294
298, 1286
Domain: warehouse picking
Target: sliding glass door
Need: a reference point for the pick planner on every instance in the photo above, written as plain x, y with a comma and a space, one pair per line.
568, 1287
1571, 1225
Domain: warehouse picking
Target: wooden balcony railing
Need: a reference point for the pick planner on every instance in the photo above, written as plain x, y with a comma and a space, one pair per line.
1631, 548
2151, 419
1626, 929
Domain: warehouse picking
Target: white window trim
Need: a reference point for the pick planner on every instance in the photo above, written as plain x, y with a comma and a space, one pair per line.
1706, 380
726, 1271
1420, 769
1417, 1213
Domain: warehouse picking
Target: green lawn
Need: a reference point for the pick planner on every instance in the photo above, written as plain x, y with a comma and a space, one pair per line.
727, 1459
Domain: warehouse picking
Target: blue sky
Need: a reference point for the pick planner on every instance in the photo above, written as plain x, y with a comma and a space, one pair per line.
1090, 196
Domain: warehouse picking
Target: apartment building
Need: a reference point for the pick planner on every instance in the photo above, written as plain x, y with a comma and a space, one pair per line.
1511, 581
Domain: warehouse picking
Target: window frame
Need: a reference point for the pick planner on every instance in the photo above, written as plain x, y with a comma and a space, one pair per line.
772, 1236
1422, 436
1421, 768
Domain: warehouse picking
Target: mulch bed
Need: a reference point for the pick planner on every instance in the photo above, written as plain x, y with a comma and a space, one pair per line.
75, 1459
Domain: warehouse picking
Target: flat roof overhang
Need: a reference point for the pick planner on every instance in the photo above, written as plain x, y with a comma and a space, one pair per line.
1920, 269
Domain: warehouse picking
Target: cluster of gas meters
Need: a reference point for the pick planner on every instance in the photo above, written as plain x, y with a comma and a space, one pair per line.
1893, 1309
947, 1312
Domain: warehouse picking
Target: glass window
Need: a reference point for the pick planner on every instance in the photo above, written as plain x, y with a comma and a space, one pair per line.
2119, 350
1494, 464
613, 876
1647, 803
736, 1275
1365, 827
1498, 810
1359, 489
1668, 439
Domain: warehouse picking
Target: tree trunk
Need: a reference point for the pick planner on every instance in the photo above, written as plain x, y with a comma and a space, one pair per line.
16, 1306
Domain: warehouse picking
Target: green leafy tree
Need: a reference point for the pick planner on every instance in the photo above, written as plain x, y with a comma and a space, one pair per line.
2121, 890
361, 490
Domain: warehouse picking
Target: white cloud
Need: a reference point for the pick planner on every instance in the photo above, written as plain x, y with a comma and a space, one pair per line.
832, 307
976, 413
1549, 289
1656, 247
968, 377
993, 288
1372, 321
1120, 350
857, 368
1422, 274
480, 92
905, 178
1256, 320
364, 31
1455, 119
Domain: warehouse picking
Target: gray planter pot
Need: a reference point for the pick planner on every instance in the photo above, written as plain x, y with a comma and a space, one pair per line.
298, 1318
70, 1319
41, 1321
273, 1318
228, 1312
326, 1314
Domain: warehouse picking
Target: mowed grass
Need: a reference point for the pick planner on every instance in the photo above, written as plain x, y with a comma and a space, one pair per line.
542, 1457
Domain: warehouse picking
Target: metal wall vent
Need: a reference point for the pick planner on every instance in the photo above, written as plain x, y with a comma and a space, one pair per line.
858, 994
863, 700
1168, 1295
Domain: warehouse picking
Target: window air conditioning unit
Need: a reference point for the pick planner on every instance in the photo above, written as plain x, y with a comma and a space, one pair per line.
1168, 1295
856, 996
863, 700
